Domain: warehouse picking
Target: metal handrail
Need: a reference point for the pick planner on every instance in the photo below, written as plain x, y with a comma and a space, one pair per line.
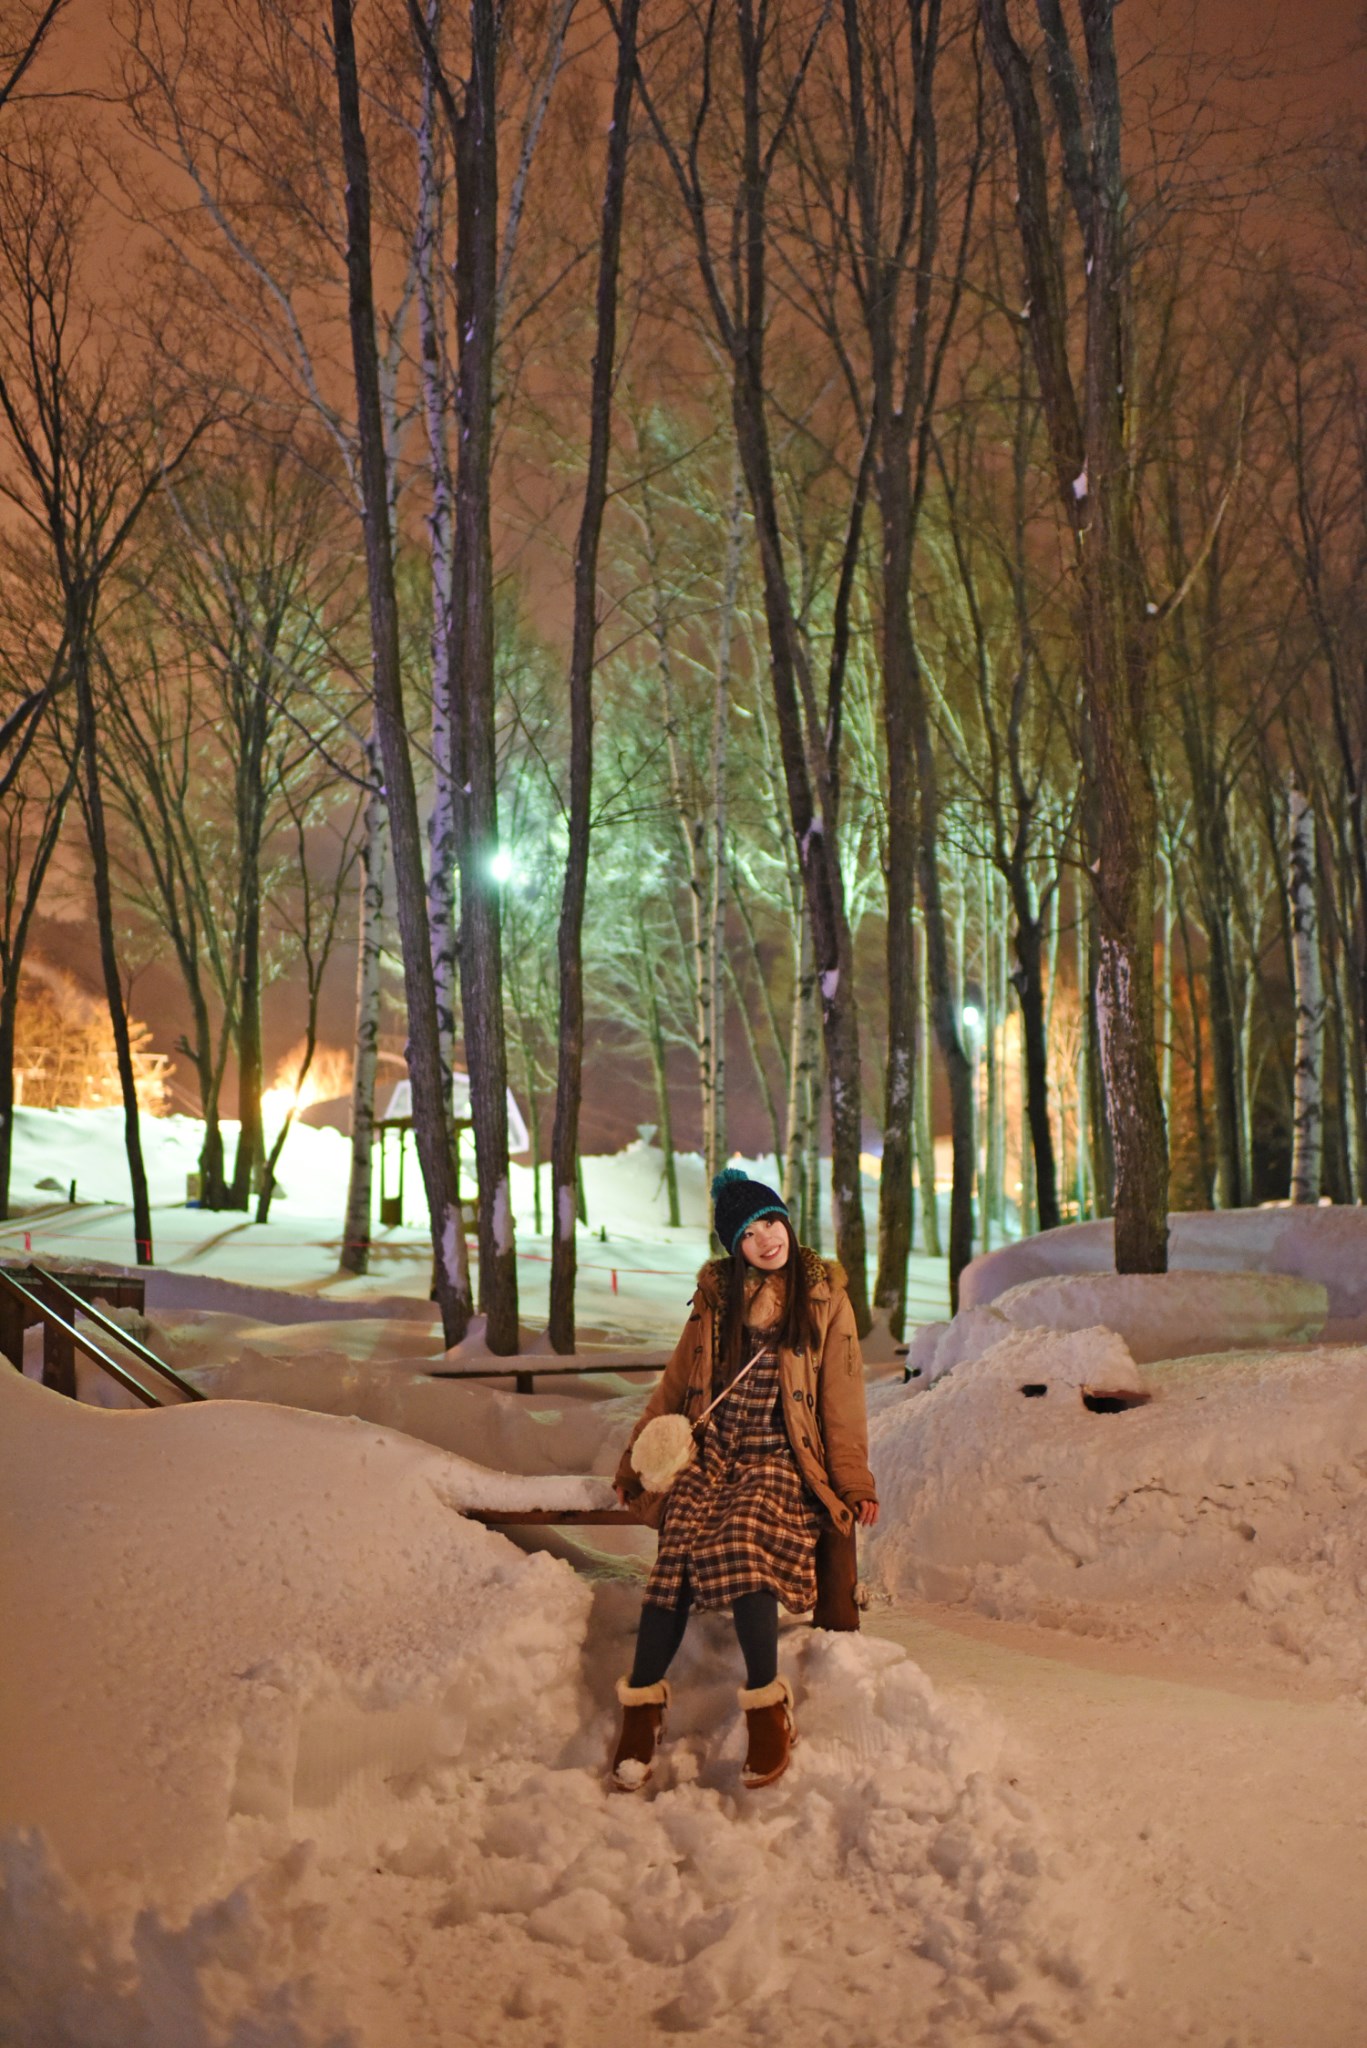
92, 1350
125, 1337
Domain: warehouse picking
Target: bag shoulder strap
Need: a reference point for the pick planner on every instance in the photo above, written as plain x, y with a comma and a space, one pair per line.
731, 1386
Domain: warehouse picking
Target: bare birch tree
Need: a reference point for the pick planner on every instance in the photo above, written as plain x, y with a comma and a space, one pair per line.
431, 1107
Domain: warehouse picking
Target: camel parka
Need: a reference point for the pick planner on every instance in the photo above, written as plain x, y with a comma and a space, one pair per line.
822, 1388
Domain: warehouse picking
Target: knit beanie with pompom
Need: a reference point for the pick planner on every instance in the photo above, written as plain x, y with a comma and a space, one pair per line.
738, 1201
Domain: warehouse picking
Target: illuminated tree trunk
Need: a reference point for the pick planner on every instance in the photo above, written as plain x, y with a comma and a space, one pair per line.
475, 140
369, 943
569, 1077
431, 1110
1092, 471
442, 845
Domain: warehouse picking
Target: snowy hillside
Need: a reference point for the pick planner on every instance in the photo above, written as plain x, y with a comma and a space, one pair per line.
323, 1720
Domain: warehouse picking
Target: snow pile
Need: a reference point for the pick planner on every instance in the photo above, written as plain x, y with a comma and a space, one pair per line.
1328, 1245
295, 1755
572, 1425
1159, 1315
1230, 1512
187, 1590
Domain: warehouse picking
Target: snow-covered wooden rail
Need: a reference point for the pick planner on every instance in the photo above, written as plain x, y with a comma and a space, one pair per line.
34, 1295
514, 1518
507, 1499
528, 1366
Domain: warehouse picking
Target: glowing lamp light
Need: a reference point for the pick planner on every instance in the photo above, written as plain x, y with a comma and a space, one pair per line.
503, 867
972, 1016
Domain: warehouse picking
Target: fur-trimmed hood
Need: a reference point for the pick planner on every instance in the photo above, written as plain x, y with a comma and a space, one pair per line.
824, 1276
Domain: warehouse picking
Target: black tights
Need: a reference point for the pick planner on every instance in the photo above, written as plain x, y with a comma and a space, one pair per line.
662, 1631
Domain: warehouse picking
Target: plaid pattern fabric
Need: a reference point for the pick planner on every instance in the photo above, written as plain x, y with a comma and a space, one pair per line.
740, 1520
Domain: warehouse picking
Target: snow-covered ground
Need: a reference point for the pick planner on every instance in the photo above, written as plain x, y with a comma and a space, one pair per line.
635, 1270
319, 1761
293, 1754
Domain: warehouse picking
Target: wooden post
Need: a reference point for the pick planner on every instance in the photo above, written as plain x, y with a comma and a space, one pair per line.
59, 1361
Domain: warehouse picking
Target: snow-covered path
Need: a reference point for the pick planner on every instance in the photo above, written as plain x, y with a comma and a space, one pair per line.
319, 1764
1222, 1817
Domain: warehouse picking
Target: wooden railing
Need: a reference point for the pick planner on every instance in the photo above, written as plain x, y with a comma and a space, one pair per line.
38, 1296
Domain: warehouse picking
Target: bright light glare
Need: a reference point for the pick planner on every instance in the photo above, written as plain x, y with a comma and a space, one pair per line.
502, 867
276, 1104
972, 1016
283, 1096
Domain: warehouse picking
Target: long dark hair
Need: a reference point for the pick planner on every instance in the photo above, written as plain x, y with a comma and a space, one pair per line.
797, 1325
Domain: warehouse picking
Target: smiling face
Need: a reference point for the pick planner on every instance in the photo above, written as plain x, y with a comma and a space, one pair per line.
765, 1243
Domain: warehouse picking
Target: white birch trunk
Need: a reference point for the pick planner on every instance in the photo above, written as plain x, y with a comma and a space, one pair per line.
692, 830
1307, 1147
1084, 1147
1247, 1077
798, 1092
442, 823
1053, 931
1165, 1019
1000, 986
369, 944
811, 1188
925, 1106
991, 1020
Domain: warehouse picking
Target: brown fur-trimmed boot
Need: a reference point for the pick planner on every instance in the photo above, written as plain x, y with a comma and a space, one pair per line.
771, 1731
643, 1724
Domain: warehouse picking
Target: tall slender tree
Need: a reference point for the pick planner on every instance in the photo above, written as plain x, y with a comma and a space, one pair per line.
569, 1073
1089, 443
431, 1106
766, 67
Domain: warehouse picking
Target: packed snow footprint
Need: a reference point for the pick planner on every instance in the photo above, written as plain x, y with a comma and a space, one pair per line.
893, 1886
891, 1882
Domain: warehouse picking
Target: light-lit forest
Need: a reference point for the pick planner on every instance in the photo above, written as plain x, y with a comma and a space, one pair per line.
811, 549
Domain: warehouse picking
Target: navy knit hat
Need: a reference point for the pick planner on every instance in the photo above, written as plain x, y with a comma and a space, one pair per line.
737, 1202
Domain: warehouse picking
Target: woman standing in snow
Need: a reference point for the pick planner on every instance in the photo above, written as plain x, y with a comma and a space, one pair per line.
782, 1459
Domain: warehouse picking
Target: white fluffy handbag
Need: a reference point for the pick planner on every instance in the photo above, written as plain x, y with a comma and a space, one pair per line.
668, 1444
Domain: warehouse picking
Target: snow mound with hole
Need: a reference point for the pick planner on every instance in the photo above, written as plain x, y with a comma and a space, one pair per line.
1229, 1512
320, 1764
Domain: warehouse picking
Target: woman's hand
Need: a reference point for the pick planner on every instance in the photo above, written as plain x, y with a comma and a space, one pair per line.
621, 1494
866, 1513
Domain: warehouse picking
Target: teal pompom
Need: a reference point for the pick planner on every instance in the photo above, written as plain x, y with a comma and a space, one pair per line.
725, 1178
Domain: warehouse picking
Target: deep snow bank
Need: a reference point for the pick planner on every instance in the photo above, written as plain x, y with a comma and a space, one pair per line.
1159, 1315
1324, 1244
1230, 1512
294, 1755
184, 1589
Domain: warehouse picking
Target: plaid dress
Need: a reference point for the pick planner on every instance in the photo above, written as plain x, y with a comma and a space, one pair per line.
741, 1519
